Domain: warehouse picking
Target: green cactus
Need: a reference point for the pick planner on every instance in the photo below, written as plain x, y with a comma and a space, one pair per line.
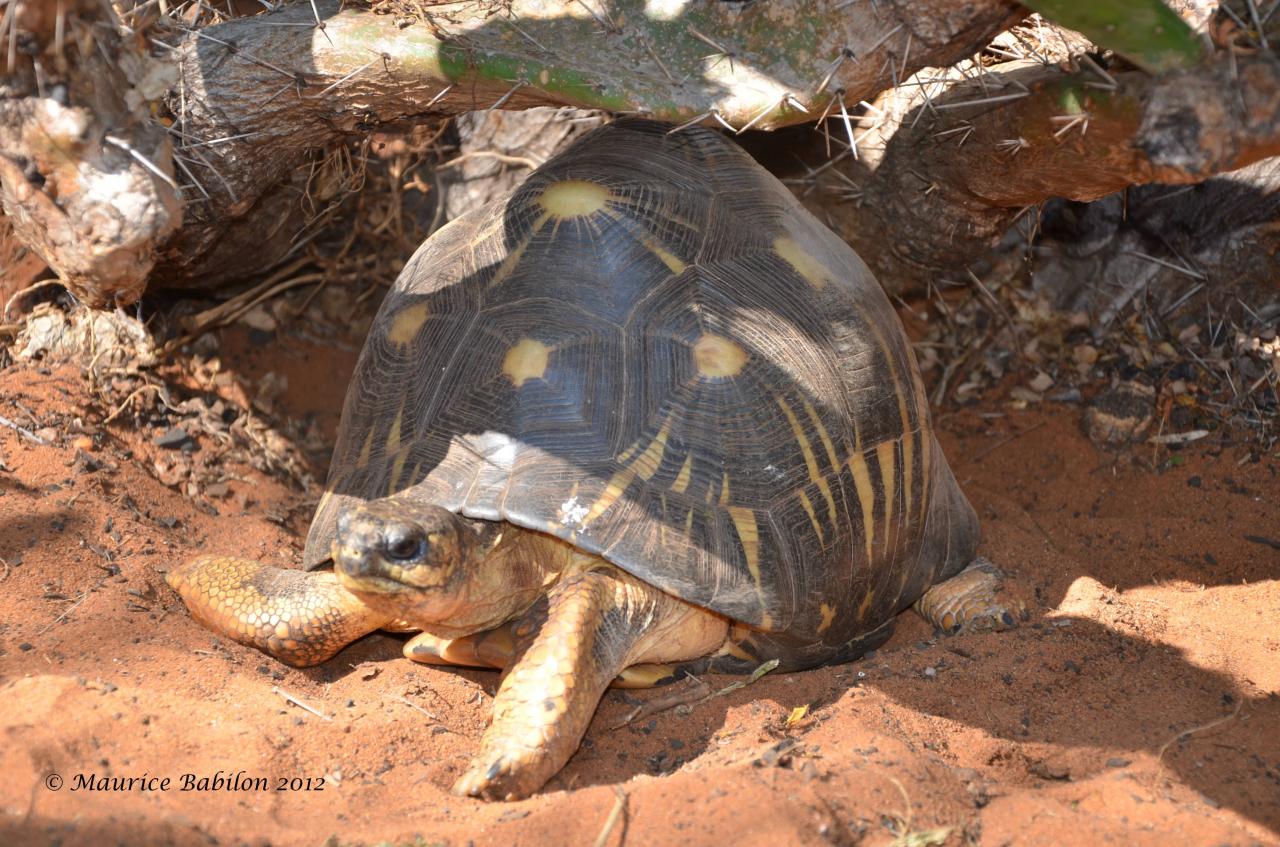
1146, 32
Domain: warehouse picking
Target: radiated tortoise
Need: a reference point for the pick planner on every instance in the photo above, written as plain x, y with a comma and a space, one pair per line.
644, 416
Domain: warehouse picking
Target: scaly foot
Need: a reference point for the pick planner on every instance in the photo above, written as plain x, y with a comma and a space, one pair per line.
969, 602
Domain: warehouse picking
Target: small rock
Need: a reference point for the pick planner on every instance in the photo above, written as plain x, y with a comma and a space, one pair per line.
1117, 762
1066, 395
84, 463
1085, 354
174, 439
1120, 415
1024, 395
25, 647
1194, 482
779, 755
930, 673
1050, 770
260, 319
1041, 383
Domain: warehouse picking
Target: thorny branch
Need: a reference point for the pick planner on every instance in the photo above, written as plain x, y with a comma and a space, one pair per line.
977, 156
254, 102
251, 108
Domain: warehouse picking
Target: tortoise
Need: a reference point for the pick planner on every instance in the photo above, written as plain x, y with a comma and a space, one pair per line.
644, 417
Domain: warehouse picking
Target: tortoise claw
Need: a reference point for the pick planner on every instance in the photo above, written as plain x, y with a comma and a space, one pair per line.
503, 778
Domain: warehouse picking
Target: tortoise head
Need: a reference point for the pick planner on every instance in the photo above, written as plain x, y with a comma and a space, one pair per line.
427, 567
392, 549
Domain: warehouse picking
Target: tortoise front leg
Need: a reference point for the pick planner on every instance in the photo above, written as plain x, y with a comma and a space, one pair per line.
596, 624
968, 601
298, 617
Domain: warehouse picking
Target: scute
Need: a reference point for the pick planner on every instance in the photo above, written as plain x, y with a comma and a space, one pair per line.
652, 351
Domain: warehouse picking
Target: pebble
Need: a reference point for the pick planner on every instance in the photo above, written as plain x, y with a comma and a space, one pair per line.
1085, 354
1120, 414
260, 319
930, 673
173, 439
1041, 383
1050, 770
1067, 395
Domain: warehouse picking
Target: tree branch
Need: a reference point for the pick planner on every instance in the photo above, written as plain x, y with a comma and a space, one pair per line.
89, 180
257, 96
86, 178
976, 157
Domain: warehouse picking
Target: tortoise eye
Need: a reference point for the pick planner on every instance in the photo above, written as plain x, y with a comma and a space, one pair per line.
405, 545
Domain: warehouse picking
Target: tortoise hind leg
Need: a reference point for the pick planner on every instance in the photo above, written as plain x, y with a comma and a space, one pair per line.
968, 602
498, 647
595, 624
298, 617
495, 648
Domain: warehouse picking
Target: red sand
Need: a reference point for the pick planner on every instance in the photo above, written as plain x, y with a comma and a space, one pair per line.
1152, 614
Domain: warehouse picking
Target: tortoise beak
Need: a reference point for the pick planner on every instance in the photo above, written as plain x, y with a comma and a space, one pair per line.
364, 572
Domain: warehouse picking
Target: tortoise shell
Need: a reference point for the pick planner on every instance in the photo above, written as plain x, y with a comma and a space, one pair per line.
652, 351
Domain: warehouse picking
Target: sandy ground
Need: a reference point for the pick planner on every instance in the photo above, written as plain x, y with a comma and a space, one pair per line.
1139, 704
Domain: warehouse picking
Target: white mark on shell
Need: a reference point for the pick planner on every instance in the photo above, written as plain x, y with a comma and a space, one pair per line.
573, 513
